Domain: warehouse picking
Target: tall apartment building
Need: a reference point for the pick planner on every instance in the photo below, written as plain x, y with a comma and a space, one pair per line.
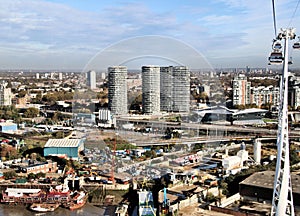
91, 79
175, 89
60, 76
5, 95
151, 89
265, 95
241, 90
117, 89
166, 89
294, 91
181, 89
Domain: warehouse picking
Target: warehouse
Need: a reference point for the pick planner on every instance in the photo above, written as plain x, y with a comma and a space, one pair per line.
66, 148
7, 127
260, 185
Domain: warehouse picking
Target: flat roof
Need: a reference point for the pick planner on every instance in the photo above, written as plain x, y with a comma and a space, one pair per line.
63, 143
7, 124
22, 190
265, 179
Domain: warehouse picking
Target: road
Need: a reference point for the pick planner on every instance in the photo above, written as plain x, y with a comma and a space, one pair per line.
210, 128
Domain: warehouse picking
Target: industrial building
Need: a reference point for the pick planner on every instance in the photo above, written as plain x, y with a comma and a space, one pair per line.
44, 167
66, 148
259, 186
117, 90
86, 118
8, 127
105, 119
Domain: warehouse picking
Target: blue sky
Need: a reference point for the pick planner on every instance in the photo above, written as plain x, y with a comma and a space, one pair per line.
67, 34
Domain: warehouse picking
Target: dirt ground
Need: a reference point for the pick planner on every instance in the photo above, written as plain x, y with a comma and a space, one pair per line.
194, 210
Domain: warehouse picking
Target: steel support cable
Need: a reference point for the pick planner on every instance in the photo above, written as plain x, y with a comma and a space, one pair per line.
274, 18
296, 8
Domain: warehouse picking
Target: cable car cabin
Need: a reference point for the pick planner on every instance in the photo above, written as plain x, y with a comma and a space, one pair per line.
277, 45
296, 45
276, 58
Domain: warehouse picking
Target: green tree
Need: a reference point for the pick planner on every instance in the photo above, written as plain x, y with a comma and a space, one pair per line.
59, 134
31, 112
210, 197
224, 186
22, 93
9, 175
31, 176
50, 98
37, 99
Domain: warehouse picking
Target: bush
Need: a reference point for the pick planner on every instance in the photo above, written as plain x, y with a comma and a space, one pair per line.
9, 174
210, 197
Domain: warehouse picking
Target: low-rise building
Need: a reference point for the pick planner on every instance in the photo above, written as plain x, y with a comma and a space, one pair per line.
259, 186
44, 167
8, 127
66, 148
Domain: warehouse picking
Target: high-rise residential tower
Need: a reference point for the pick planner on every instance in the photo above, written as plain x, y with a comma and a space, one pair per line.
5, 94
181, 89
60, 75
117, 89
151, 89
166, 89
91, 79
241, 90
175, 89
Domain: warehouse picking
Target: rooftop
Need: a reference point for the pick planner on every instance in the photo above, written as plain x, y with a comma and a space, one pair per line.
266, 180
22, 190
7, 123
63, 143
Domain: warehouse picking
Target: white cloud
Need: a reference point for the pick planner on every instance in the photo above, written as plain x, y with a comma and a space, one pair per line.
216, 20
54, 30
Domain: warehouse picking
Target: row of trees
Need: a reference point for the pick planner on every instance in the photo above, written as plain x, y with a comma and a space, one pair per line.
17, 115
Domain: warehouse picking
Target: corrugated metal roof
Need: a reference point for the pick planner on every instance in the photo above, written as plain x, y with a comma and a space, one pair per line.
63, 143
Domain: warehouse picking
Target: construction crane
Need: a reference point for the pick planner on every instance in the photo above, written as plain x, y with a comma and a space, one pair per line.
165, 204
282, 201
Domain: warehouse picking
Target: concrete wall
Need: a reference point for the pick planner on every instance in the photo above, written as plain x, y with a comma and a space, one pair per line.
229, 211
184, 203
230, 200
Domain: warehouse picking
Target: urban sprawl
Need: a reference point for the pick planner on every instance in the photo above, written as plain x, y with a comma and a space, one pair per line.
160, 140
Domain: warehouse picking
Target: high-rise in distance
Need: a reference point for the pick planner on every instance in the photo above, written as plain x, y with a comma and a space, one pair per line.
151, 89
175, 89
5, 94
117, 90
166, 89
181, 89
241, 90
91, 79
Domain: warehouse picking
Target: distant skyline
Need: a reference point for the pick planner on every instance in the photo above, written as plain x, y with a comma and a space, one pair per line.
67, 34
